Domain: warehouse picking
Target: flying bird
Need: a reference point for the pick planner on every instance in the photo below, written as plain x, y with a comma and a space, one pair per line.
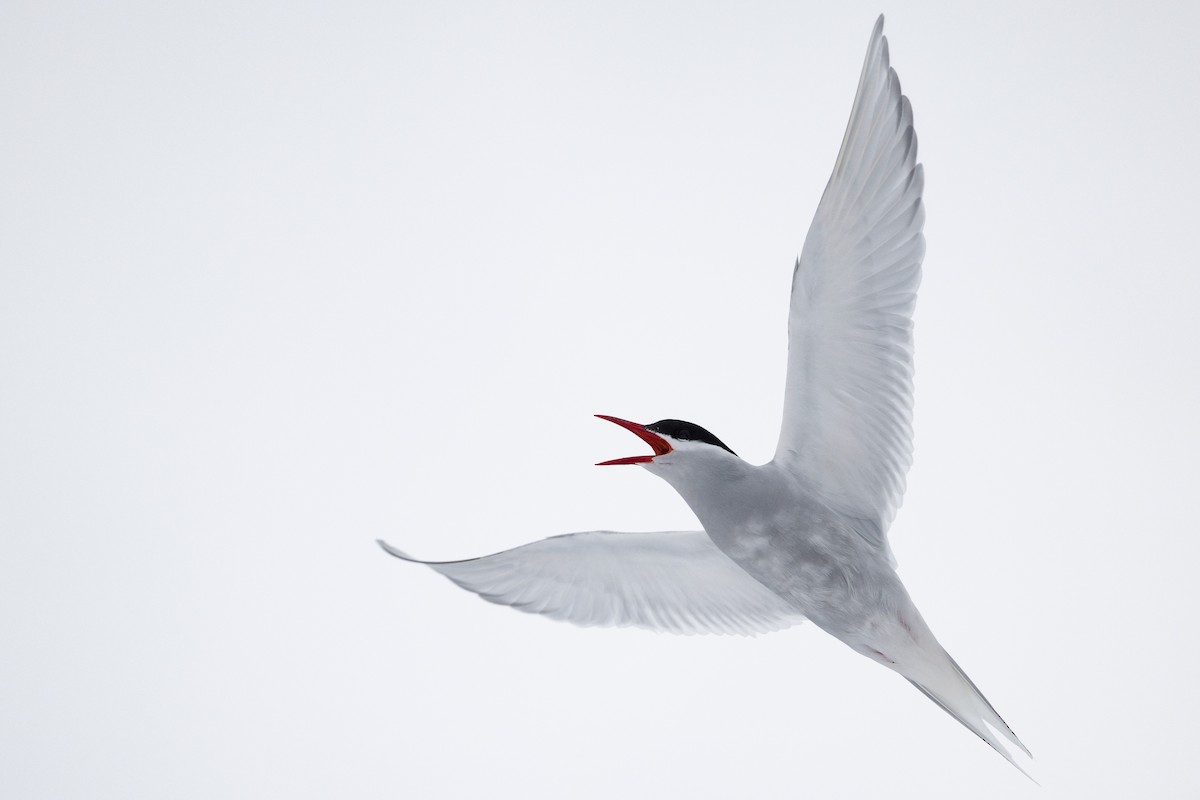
805, 535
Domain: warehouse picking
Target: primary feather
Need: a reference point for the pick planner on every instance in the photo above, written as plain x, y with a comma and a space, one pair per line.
673, 581
847, 419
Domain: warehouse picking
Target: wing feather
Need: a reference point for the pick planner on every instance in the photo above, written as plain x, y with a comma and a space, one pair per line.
668, 581
847, 426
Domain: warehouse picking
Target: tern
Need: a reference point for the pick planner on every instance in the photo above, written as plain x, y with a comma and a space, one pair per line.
805, 535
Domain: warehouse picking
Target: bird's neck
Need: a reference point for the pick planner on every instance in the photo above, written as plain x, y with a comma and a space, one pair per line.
727, 492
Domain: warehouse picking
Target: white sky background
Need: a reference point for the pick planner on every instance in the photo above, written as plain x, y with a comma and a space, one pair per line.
277, 279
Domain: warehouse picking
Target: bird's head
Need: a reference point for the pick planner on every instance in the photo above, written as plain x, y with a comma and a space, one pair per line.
680, 449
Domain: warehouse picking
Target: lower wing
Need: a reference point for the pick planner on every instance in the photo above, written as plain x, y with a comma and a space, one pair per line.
674, 581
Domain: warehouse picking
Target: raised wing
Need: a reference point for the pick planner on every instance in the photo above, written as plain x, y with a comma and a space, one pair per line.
670, 581
847, 416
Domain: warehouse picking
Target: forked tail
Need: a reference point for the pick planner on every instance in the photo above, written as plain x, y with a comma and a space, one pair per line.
950, 688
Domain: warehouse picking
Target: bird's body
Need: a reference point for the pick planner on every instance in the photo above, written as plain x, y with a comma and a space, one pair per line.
816, 559
803, 536
834, 569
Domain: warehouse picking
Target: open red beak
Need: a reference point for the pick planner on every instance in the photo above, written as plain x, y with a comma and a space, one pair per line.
660, 445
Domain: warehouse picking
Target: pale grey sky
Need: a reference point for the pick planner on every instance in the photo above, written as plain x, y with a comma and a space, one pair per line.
277, 279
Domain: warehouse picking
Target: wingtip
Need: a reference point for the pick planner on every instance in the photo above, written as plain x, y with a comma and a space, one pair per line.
877, 56
392, 551
877, 31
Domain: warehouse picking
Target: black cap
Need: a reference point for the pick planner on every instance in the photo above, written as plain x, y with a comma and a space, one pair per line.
686, 431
